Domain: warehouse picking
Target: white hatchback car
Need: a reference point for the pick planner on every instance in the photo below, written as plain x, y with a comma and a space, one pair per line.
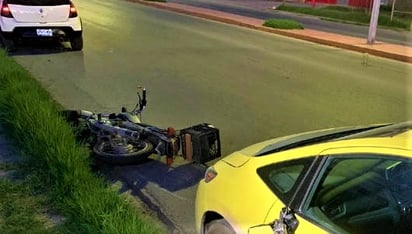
40, 19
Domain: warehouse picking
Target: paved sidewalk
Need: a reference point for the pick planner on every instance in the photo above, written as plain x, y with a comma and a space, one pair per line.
386, 50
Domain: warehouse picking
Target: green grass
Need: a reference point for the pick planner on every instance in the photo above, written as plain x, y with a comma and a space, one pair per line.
282, 24
59, 163
22, 210
352, 15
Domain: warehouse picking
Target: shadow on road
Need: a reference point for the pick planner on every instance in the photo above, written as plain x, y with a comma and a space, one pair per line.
38, 47
136, 178
153, 171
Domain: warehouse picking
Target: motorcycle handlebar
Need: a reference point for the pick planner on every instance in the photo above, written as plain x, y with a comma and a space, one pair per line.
144, 100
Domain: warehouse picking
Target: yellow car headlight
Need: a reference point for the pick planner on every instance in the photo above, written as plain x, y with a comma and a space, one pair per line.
210, 174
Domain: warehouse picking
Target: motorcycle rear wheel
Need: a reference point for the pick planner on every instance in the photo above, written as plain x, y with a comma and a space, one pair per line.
136, 152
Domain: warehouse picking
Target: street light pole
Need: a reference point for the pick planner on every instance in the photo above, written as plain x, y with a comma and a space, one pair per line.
374, 21
393, 9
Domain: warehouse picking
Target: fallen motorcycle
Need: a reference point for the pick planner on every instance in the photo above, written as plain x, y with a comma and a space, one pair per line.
121, 138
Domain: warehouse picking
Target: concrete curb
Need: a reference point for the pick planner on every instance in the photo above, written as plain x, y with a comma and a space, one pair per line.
395, 52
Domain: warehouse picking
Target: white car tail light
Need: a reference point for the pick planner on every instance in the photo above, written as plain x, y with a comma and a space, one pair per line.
5, 10
73, 10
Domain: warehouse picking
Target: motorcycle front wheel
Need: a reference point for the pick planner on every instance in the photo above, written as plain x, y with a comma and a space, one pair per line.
121, 154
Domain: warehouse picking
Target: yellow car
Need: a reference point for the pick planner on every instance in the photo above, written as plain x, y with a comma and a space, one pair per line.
342, 180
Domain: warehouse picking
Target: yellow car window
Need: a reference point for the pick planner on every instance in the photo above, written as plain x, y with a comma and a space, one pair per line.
364, 194
283, 178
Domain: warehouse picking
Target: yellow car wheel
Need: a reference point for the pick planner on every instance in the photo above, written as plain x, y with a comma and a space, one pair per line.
219, 226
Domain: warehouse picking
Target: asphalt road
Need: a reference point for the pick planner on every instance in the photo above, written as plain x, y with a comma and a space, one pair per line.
251, 85
263, 9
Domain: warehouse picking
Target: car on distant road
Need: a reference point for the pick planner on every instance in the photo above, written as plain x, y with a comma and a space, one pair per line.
340, 180
40, 19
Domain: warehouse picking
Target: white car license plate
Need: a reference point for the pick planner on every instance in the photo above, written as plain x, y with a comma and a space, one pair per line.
44, 32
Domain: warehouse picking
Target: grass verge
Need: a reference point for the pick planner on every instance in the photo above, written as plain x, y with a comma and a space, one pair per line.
22, 210
282, 24
352, 15
59, 163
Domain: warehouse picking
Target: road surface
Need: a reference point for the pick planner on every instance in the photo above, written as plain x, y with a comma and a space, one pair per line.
251, 85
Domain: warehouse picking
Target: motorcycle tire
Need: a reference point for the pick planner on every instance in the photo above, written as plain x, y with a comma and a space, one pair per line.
140, 151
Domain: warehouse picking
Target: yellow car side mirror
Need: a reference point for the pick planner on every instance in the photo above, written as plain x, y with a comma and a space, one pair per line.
262, 229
